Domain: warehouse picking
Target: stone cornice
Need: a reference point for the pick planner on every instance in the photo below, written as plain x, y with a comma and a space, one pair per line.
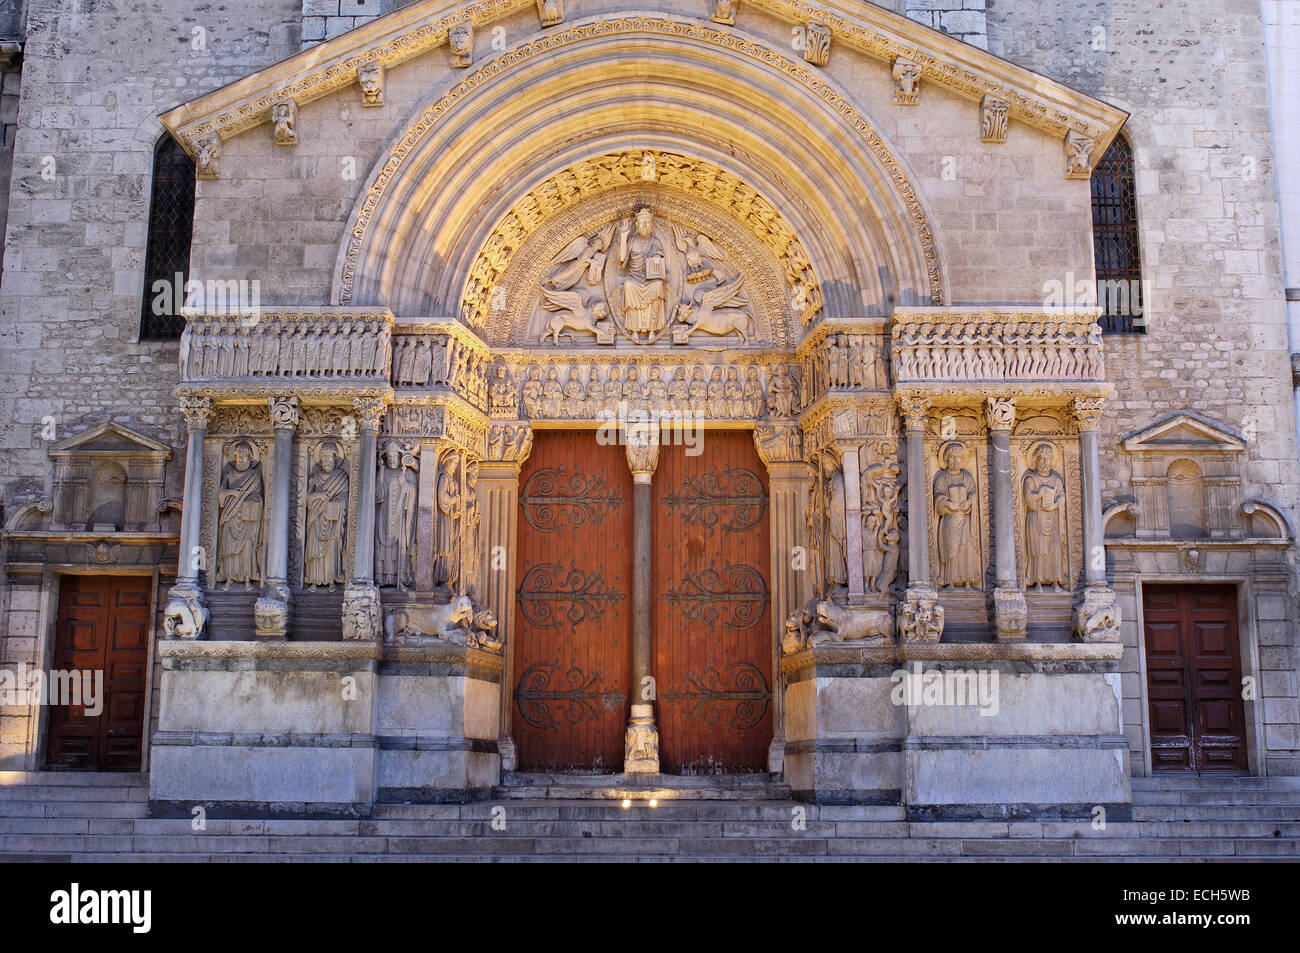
421, 27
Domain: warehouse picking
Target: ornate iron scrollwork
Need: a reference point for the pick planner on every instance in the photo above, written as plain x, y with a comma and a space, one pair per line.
541, 588
703, 496
701, 592
577, 694
705, 697
586, 499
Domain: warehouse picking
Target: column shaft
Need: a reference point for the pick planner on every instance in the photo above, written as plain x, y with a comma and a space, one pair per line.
190, 561
918, 512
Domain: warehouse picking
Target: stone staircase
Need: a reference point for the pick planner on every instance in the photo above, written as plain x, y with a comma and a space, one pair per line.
56, 816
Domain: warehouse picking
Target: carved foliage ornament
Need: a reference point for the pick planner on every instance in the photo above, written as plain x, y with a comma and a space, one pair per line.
817, 44
907, 78
993, 120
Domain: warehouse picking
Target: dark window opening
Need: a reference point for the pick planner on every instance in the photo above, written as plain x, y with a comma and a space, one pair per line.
167, 253
1115, 241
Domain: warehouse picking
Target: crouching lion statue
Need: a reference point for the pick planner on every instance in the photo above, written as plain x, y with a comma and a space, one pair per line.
459, 622
820, 622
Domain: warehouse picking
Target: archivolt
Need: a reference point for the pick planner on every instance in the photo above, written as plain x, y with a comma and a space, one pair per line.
651, 83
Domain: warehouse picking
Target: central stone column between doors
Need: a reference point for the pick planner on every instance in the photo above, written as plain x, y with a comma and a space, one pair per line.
641, 743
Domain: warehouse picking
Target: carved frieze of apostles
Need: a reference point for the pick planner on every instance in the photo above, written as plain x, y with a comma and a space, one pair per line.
396, 491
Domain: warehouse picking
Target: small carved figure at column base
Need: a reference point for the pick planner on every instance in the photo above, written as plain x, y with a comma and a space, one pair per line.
185, 616
920, 617
509, 754
1010, 614
361, 611
1097, 616
271, 618
641, 742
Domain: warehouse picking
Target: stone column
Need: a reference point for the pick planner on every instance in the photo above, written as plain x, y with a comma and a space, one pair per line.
271, 613
641, 744
920, 617
852, 468
498, 486
1097, 614
186, 616
1010, 614
361, 611
780, 447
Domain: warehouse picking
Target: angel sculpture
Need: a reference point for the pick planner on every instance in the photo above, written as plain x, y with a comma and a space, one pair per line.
694, 249
582, 256
705, 312
573, 312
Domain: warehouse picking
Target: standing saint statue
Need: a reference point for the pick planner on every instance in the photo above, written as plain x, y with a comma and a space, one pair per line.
239, 525
954, 507
1044, 493
396, 522
644, 290
837, 573
446, 564
327, 514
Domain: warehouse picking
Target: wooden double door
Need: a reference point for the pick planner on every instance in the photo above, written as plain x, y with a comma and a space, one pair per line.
1194, 686
102, 627
710, 614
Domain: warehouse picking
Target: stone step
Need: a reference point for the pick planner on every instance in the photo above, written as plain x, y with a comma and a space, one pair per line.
1172, 782
1227, 798
68, 792
616, 787
80, 779
1205, 812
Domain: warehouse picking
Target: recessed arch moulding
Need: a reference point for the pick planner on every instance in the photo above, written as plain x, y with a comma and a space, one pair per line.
486, 185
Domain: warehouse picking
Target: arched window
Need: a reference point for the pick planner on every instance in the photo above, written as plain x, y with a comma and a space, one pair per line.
167, 254
1115, 241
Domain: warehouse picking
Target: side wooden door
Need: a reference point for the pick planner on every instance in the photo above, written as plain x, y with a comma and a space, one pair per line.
573, 628
1198, 720
102, 626
712, 607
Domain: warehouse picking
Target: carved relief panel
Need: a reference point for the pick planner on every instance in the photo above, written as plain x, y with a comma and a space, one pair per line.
326, 474
237, 473
956, 450
1047, 500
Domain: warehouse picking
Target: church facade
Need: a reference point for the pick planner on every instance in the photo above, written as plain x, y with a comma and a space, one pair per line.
404, 400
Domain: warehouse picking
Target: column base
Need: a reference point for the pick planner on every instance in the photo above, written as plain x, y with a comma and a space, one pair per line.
271, 612
509, 753
185, 616
920, 617
1097, 616
361, 611
1010, 614
641, 743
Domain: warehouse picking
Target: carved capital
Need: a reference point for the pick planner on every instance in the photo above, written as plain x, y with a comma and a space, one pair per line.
370, 77
197, 412
207, 152
1000, 413
361, 612
1097, 616
914, 410
778, 443
724, 11
284, 412
642, 453
907, 82
509, 443
1010, 614
817, 44
284, 122
1078, 155
993, 120
370, 412
1087, 413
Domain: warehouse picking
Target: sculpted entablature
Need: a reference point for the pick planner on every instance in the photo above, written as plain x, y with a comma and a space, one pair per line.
422, 27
